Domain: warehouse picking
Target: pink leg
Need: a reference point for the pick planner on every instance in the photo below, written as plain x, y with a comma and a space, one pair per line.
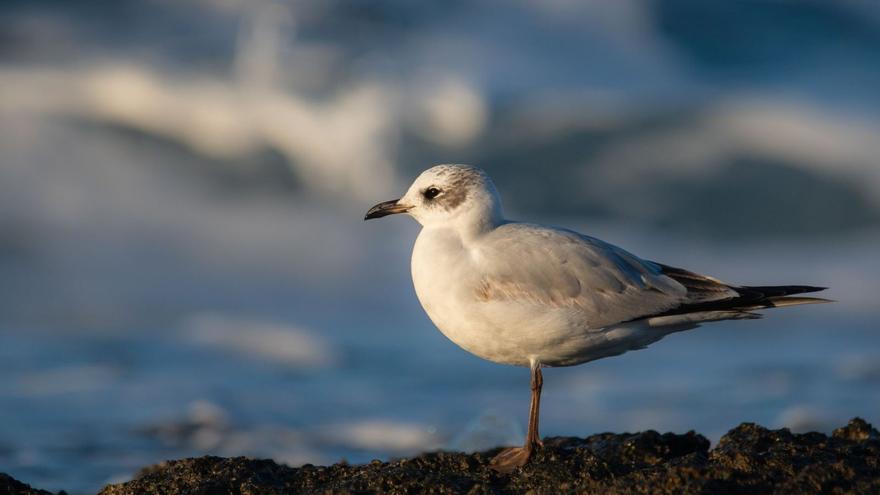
511, 458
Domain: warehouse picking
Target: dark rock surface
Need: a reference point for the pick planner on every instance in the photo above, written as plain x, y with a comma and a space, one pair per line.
11, 486
748, 459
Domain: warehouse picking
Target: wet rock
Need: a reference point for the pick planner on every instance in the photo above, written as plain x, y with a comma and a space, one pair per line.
748, 459
11, 486
858, 429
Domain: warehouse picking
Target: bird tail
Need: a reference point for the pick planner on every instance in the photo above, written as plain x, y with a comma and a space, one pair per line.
741, 307
774, 296
710, 295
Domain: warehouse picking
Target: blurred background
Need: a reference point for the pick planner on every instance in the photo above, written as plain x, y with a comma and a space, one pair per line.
184, 268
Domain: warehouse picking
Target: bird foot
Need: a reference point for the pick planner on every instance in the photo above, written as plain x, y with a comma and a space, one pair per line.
511, 458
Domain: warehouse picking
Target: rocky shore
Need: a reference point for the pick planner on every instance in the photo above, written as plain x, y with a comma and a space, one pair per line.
748, 459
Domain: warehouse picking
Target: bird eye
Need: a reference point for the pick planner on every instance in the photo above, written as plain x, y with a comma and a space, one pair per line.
431, 192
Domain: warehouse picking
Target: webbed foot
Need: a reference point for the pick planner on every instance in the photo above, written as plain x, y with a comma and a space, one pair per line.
511, 458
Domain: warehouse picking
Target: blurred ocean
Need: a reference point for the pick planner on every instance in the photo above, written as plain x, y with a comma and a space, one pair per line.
184, 269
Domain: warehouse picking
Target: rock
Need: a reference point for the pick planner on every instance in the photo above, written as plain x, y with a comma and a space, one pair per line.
748, 459
858, 429
11, 486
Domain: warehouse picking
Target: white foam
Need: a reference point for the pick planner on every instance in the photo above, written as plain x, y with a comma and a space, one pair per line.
277, 342
384, 435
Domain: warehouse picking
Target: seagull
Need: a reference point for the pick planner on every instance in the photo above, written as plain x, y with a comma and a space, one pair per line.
531, 295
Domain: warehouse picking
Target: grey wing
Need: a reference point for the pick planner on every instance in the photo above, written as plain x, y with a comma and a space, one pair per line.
562, 269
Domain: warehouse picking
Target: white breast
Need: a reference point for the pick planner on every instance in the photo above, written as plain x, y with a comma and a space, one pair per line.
438, 256
445, 276
441, 272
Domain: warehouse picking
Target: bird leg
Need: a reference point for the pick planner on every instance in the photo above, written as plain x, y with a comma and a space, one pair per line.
511, 458
533, 438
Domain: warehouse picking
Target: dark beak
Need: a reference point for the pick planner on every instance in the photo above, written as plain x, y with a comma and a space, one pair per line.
386, 208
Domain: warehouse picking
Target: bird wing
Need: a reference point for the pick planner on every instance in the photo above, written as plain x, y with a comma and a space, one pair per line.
557, 268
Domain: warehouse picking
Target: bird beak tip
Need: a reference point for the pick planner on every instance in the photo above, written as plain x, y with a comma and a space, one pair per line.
386, 208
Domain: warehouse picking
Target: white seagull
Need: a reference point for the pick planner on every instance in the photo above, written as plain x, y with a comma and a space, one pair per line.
537, 296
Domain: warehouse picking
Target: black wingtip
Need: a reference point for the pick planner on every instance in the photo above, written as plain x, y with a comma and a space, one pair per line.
812, 288
777, 290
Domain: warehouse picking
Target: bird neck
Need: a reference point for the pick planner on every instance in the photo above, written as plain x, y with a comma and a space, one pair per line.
477, 222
